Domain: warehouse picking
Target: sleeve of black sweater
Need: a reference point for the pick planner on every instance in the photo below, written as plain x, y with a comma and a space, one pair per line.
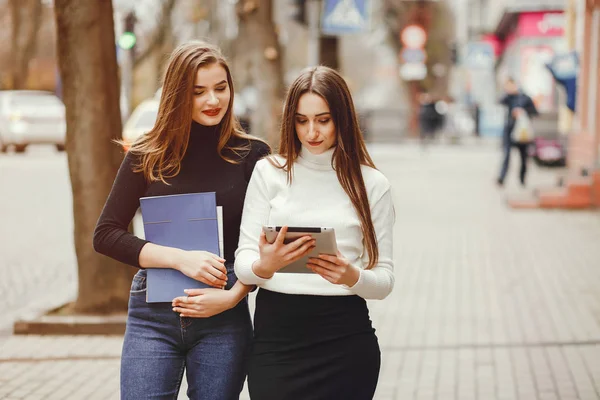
111, 236
258, 150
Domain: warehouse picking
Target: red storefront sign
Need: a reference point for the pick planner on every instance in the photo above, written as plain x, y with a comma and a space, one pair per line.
541, 24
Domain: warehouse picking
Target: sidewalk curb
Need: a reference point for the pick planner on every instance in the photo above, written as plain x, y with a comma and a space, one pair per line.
72, 325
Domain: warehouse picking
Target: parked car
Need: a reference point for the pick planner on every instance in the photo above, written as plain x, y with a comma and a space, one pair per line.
31, 117
140, 122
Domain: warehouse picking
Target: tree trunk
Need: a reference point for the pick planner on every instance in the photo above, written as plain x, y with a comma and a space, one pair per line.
259, 43
88, 69
26, 20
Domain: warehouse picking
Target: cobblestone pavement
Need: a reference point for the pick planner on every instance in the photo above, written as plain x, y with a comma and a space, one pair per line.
489, 303
37, 255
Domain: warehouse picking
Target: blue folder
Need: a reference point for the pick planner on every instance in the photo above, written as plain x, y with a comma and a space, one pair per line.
187, 222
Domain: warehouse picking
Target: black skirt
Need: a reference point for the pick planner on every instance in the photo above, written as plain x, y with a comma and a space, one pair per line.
312, 348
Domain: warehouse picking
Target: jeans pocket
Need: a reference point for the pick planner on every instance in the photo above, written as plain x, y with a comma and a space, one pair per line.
138, 284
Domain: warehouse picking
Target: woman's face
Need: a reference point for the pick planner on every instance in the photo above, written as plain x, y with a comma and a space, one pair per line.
211, 95
314, 124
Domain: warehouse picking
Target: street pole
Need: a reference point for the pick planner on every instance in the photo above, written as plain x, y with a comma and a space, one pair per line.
313, 11
126, 83
127, 49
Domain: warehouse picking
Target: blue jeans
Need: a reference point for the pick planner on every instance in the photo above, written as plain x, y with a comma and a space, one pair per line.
523, 148
159, 346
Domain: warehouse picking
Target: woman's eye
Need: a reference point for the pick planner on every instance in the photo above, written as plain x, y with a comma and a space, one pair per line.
221, 89
324, 121
301, 121
198, 93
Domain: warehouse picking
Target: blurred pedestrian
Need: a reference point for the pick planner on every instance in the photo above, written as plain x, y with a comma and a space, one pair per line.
517, 103
431, 117
196, 145
313, 335
427, 118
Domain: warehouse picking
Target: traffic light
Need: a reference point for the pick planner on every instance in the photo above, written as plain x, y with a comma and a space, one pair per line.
298, 11
128, 39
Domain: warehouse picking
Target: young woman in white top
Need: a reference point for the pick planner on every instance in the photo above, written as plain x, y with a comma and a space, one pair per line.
313, 336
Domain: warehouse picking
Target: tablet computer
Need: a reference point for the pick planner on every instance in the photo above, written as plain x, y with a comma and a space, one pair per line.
325, 244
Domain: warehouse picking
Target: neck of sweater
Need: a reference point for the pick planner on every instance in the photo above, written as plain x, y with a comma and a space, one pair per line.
322, 161
203, 138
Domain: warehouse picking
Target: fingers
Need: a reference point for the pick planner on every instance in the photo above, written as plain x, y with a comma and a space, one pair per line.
329, 275
332, 259
325, 264
302, 250
194, 292
281, 235
211, 276
262, 239
190, 313
215, 278
299, 242
216, 257
193, 296
219, 266
187, 306
191, 303
213, 256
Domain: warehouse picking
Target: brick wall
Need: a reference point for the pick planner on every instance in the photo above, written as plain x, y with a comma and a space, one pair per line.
581, 153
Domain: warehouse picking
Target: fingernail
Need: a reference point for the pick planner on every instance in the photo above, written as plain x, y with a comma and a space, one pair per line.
186, 291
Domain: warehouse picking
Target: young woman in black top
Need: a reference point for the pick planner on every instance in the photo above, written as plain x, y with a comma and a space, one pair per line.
196, 145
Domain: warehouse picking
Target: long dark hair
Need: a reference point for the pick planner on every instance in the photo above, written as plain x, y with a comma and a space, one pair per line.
350, 151
162, 149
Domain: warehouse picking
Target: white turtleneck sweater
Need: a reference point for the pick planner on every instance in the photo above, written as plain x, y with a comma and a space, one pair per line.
316, 198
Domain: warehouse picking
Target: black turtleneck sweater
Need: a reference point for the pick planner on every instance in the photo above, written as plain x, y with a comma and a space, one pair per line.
202, 170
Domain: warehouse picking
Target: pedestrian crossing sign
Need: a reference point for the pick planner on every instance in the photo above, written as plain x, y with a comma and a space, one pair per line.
345, 16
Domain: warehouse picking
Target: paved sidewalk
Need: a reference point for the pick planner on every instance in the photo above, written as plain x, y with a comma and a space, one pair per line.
489, 304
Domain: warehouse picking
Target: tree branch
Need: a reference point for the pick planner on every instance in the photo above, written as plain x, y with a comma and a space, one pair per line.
159, 33
34, 27
23, 44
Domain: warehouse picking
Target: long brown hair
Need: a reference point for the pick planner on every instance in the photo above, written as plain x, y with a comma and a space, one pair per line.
350, 151
162, 149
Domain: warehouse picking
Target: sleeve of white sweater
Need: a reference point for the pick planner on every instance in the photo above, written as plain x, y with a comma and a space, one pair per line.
255, 215
378, 282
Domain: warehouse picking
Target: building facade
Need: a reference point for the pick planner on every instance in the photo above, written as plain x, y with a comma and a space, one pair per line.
581, 188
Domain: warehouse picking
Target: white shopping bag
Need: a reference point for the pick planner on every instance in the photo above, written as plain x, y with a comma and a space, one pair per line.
523, 130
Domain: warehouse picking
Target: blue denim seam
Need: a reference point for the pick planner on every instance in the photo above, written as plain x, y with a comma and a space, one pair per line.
179, 380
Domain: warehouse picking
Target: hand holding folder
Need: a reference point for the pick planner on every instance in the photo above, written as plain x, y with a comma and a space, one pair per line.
205, 267
187, 222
